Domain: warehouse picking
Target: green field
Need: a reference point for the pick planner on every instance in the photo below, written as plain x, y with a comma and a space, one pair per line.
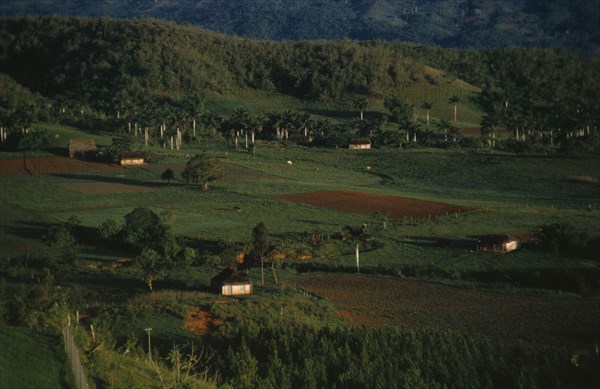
508, 194
31, 360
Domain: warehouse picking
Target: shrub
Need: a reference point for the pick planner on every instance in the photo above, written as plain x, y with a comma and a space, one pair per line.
109, 230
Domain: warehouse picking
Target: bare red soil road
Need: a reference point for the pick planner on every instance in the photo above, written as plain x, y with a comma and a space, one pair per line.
377, 301
395, 207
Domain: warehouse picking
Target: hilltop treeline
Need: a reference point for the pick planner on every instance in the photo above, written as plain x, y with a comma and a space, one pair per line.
150, 70
101, 59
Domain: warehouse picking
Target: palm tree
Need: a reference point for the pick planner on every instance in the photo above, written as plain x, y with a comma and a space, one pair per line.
454, 99
360, 103
443, 126
358, 235
427, 106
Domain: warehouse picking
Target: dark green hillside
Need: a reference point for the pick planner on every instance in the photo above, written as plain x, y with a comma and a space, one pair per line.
447, 23
93, 59
99, 62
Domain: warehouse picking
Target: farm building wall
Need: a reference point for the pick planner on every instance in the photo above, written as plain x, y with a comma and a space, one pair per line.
500, 247
233, 290
510, 246
359, 147
132, 161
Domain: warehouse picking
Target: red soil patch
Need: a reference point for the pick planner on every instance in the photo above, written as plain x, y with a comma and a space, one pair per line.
368, 204
381, 301
50, 165
200, 323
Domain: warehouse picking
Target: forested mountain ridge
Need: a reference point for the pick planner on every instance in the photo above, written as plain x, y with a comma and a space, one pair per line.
573, 24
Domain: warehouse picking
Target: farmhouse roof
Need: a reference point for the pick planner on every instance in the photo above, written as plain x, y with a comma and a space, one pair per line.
81, 146
132, 155
360, 141
495, 239
230, 277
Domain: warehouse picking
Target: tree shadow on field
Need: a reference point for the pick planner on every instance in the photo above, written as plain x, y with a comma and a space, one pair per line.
344, 114
116, 180
58, 151
317, 222
450, 243
27, 229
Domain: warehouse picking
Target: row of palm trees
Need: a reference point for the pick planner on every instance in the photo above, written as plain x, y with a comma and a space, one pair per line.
454, 100
241, 127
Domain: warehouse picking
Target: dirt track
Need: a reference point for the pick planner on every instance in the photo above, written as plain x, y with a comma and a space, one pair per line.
368, 204
380, 301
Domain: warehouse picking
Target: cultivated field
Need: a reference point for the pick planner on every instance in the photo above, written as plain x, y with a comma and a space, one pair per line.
51, 165
394, 207
381, 301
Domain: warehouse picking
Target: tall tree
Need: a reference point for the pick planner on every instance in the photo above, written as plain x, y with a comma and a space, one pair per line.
454, 99
358, 235
360, 103
401, 112
167, 175
260, 244
144, 228
201, 167
151, 265
427, 106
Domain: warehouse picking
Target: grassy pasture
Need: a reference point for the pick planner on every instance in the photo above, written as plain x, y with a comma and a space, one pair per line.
508, 194
31, 360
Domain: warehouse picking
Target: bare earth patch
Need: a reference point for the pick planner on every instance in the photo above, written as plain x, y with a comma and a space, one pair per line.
200, 323
368, 204
377, 301
50, 165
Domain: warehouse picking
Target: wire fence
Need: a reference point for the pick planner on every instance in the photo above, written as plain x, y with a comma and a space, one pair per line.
74, 358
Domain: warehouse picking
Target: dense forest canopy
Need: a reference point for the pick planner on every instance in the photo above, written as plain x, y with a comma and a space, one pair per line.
448, 23
98, 59
93, 59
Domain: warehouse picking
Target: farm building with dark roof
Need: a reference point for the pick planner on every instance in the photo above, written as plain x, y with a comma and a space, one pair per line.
81, 148
231, 282
359, 144
132, 158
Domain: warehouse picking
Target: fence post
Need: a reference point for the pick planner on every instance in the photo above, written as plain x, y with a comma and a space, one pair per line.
73, 356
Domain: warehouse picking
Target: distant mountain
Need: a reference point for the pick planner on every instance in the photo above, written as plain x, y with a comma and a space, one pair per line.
448, 23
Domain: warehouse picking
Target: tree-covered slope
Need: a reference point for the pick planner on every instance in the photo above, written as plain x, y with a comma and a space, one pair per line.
93, 60
116, 65
449, 23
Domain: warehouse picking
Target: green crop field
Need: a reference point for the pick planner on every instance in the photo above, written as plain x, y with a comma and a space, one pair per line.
31, 360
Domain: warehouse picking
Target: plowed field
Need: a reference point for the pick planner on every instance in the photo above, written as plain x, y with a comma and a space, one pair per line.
368, 204
381, 301
50, 165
